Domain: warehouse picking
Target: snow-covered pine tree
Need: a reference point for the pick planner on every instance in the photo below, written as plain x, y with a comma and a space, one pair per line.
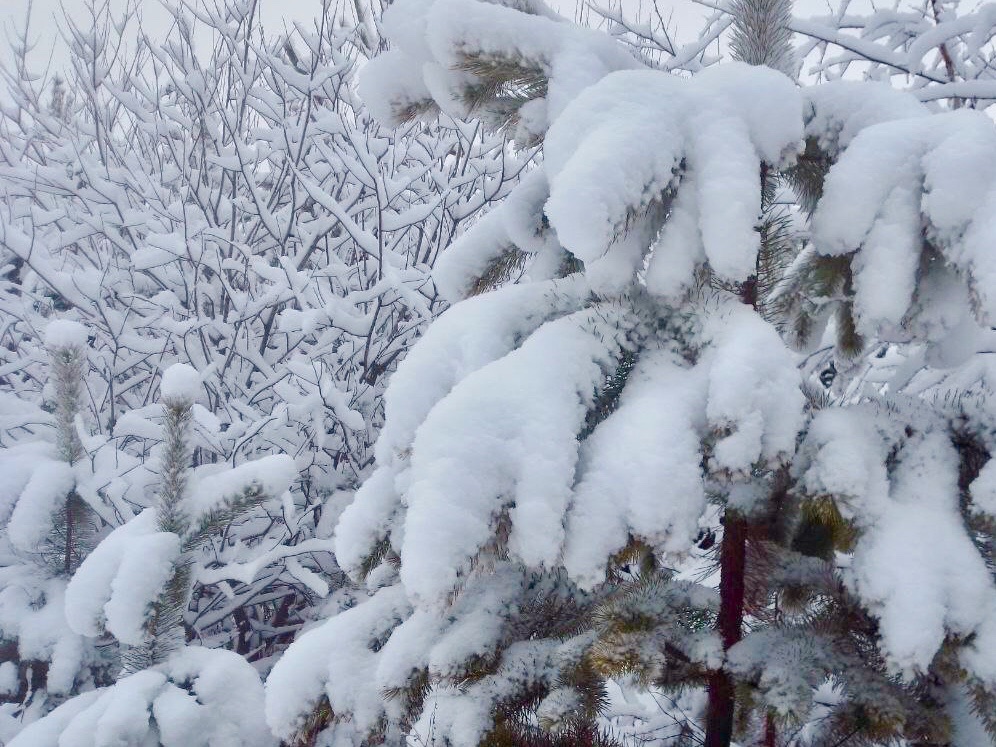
531, 433
908, 367
897, 264
760, 37
137, 583
555, 435
48, 530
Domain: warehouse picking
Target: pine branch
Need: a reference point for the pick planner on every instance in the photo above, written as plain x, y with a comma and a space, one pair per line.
762, 34
502, 86
67, 375
505, 267
609, 394
72, 533
164, 629
175, 467
232, 508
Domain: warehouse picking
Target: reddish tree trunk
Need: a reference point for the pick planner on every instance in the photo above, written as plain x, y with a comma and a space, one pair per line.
732, 564
770, 731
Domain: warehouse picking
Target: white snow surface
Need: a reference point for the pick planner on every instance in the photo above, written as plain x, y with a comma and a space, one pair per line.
754, 396
8, 678
211, 488
42, 497
32, 612
504, 438
600, 171
180, 383
639, 470
198, 698
912, 529
897, 178
431, 39
335, 659
983, 490
921, 535
515, 223
838, 111
468, 337
117, 582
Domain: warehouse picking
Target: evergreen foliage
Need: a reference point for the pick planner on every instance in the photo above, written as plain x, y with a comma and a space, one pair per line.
790, 624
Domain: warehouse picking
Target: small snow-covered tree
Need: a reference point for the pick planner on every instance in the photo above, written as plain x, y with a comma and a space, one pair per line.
136, 584
50, 527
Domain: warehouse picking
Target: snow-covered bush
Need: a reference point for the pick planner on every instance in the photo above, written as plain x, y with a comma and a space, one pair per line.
606, 476
236, 210
938, 50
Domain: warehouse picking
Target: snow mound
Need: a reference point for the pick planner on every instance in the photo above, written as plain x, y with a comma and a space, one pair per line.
197, 698
64, 333
180, 383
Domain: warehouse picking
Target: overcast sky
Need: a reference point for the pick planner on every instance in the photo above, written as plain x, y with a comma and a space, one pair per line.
275, 13
44, 30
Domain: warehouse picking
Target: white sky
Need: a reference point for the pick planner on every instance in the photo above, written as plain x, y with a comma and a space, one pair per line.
44, 31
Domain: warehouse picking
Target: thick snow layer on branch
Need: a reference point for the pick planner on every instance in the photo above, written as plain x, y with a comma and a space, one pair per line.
755, 404
914, 566
769, 103
32, 612
44, 495
390, 84
467, 258
898, 180
198, 698
518, 222
466, 338
18, 464
212, 489
338, 659
845, 454
64, 333
434, 41
838, 111
639, 470
469, 336
180, 383
678, 250
504, 439
601, 172
115, 585
464, 714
